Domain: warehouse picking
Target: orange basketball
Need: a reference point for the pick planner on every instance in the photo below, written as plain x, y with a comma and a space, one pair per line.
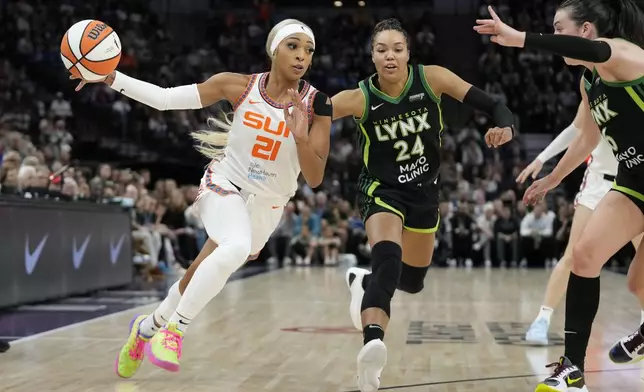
90, 49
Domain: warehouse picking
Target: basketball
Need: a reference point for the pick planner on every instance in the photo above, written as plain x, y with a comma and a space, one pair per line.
90, 49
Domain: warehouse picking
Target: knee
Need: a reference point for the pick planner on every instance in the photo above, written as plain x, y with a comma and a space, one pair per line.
412, 279
239, 248
237, 251
387, 265
583, 262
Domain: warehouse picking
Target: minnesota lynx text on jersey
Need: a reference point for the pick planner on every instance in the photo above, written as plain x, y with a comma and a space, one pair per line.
400, 135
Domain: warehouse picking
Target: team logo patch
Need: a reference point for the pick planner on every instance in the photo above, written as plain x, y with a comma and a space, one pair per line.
417, 97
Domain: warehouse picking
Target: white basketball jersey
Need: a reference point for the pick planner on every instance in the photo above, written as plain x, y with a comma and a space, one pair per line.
602, 159
261, 155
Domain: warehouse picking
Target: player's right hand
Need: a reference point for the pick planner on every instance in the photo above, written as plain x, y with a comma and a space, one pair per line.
500, 32
531, 170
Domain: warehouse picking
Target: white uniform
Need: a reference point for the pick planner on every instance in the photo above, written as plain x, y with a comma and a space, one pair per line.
260, 161
599, 176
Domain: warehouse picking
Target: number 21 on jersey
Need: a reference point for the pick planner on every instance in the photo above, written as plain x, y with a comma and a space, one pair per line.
266, 146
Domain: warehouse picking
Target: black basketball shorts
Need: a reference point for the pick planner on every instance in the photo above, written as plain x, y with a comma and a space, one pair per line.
418, 208
627, 184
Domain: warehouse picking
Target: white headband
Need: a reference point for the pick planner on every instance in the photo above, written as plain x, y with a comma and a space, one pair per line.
289, 30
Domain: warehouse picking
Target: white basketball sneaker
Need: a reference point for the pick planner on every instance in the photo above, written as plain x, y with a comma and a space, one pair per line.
538, 332
371, 360
354, 278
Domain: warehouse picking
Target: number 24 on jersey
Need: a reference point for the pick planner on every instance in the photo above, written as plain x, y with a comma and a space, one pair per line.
403, 149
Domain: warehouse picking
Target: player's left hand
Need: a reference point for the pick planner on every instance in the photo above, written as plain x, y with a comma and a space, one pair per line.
297, 121
496, 136
537, 191
501, 33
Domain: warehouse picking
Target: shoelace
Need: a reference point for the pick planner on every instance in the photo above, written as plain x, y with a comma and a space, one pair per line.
559, 367
172, 341
136, 351
632, 345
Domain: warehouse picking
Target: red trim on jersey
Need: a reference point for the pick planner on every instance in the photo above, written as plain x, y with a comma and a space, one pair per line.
242, 97
583, 184
310, 104
262, 91
216, 188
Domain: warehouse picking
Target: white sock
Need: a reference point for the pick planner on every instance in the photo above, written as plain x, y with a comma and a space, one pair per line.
642, 318
159, 318
545, 313
208, 280
148, 329
181, 321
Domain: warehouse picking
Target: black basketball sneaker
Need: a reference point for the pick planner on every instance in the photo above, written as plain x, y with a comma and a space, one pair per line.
566, 377
629, 349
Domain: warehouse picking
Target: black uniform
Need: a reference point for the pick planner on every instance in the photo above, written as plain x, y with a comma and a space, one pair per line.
618, 109
400, 140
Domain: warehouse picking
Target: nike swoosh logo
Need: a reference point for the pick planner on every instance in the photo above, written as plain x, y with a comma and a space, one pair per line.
250, 101
122, 90
574, 380
31, 259
275, 207
78, 254
115, 250
376, 107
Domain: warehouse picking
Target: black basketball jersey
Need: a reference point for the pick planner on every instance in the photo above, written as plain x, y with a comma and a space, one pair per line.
618, 109
400, 137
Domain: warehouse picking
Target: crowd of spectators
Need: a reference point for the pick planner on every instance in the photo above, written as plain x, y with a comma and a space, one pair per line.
536, 85
483, 221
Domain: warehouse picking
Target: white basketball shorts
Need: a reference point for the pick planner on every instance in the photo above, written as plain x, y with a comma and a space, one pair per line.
593, 188
258, 219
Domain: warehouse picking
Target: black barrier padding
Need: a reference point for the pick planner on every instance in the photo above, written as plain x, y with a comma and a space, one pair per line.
53, 250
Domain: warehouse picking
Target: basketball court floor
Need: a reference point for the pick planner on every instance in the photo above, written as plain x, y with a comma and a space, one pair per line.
288, 330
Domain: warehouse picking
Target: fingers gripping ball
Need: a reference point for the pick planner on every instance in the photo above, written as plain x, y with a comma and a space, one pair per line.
90, 50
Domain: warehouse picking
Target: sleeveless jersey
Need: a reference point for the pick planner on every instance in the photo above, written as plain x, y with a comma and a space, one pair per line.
400, 137
261, 155
602, 160
617, 107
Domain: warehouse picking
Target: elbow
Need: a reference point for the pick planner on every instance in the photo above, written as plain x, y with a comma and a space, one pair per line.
314, 181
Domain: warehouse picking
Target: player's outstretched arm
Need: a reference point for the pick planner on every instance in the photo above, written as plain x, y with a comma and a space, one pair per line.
623, 60
225, 85
443, 81
577, 152
560, 143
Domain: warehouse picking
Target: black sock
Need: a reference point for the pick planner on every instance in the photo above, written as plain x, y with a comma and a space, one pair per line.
373, 332
582, 302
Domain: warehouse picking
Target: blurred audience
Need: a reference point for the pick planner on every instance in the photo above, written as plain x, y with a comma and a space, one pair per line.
482, 221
